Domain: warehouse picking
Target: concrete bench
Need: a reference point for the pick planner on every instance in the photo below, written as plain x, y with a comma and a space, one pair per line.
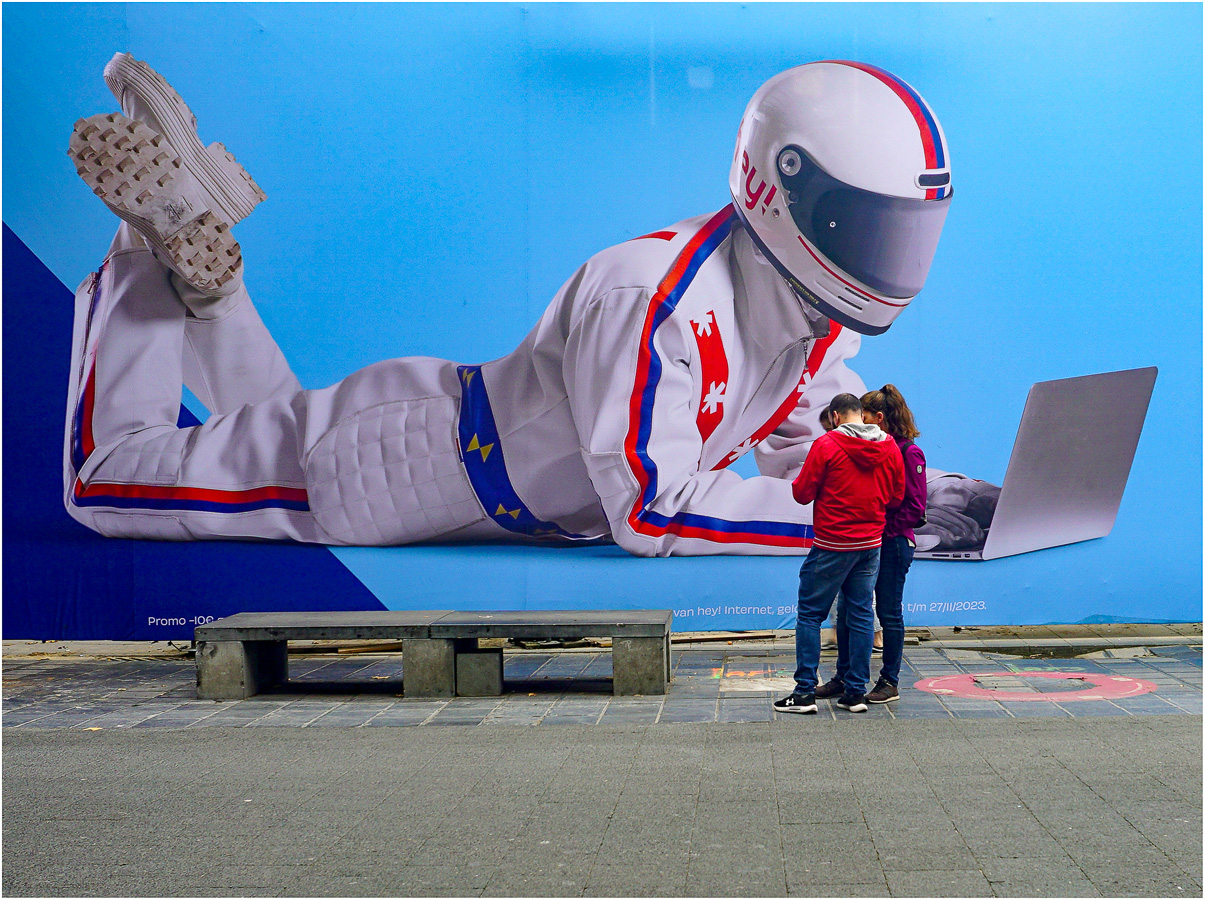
247, 653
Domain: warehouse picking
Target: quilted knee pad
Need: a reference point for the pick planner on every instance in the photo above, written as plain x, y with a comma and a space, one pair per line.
391, 474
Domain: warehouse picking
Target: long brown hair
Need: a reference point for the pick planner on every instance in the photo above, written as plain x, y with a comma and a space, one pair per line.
897, 417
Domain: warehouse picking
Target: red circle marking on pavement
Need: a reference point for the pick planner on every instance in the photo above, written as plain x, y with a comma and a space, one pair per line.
1105, 687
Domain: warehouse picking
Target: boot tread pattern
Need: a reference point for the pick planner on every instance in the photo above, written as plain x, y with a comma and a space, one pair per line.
141, 179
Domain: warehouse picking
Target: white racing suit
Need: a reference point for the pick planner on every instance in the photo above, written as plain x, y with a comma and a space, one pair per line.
657, 365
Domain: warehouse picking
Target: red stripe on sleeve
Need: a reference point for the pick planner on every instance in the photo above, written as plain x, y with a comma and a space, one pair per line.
713, 372
87, 441
644, 359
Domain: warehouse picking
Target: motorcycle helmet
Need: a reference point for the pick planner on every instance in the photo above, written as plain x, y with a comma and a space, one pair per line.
842, 177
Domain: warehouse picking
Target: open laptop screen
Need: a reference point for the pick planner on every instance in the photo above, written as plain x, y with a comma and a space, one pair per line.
1069, 464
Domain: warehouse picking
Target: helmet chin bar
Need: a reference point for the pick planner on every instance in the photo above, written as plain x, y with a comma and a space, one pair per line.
804, 293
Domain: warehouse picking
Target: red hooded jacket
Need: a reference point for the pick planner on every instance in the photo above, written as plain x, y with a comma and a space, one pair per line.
850, 481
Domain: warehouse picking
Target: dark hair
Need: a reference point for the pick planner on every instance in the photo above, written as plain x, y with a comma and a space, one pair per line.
897, 417
845, 403
826, 421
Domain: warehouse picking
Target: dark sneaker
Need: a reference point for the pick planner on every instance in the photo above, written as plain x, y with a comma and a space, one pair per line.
883, 692
853, 702
830, 689
797, 703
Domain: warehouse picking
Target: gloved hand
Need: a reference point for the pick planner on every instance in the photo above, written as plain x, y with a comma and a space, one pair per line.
958, 509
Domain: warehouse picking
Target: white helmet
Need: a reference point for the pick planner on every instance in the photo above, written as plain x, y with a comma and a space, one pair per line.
842, 177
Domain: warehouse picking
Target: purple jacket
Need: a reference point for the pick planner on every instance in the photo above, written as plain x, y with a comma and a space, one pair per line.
903, 518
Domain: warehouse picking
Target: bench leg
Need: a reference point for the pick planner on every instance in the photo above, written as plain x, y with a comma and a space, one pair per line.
428, 668
478, 672
641, 665
235, 670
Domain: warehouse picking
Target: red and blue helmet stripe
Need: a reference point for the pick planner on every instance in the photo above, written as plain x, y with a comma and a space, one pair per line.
930, 134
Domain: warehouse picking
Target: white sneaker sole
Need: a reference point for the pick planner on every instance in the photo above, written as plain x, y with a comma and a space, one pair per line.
234, 192
139, 177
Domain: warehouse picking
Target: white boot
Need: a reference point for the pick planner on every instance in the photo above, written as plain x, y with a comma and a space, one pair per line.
145, 96
139, 176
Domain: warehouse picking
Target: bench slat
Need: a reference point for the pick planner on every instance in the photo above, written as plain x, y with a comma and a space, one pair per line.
545, 624
321, 626
553, 624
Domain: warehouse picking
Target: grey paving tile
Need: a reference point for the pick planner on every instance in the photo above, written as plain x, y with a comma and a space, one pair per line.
569, 720
769, 881
1072, 887
348, 715
1054, 872
1150, 880
236, 716
620, 878
170, 720
563, 879
639, 714
813, 889
120, 719
964, 709
939, 883
688, 711
457, 717
913, 711
72, 717
1037, 710
1094, 708
823, 856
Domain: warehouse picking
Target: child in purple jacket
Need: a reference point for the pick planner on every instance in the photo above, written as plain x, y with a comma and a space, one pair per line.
887, 409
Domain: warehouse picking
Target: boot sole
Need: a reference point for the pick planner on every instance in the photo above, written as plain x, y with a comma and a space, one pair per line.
140, 178
234, 191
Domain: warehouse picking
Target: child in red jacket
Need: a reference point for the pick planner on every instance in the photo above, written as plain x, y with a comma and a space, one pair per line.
851, 475
887, 409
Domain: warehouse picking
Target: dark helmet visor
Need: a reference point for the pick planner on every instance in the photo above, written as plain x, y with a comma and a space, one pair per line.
887, 243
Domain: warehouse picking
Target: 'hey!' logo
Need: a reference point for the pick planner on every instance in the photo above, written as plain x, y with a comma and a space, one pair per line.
751, 195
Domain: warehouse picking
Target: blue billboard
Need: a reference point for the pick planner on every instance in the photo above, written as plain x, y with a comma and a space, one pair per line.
437, 177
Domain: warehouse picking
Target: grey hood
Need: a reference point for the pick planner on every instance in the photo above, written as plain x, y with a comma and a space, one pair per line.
864, 431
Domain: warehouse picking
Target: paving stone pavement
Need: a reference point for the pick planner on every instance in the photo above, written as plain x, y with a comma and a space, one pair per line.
733, 684
119, 782
823, 807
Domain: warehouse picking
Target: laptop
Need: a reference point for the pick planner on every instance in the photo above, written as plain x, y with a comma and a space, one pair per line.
1069, 464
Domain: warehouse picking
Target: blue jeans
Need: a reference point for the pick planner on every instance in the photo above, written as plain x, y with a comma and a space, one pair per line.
895, 559
894, 563
822, 575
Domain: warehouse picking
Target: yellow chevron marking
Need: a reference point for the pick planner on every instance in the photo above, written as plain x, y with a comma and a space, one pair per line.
474, 444
467, 375
503, 511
